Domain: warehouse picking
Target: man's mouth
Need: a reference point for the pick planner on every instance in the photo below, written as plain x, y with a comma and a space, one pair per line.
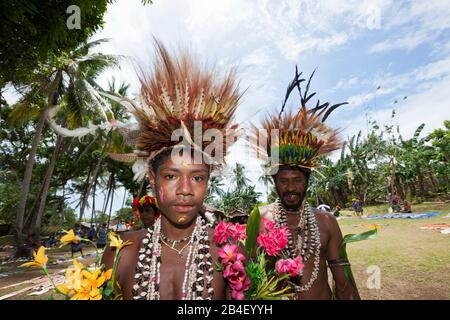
184, 207
291, 197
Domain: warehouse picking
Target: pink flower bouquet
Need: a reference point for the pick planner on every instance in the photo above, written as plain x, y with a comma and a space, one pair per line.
262, 272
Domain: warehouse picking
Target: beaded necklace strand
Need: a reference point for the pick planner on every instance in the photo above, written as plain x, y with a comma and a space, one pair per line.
307, 245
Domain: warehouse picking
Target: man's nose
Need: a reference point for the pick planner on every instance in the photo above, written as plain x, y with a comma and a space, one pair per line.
184, 186
290, 186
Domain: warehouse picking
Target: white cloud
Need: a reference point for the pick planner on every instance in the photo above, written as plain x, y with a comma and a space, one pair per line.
405, 83
413, 24
430, 107
407, 42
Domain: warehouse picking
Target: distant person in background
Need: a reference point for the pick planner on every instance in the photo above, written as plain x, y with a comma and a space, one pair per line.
102, 236
358, 207
91, 233
146, 210
396, 207
77, 247
407, 207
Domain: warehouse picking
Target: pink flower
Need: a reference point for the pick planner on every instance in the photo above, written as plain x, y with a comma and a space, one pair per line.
273, 240
233, 270
283, 266
268, 224
238, 232
229, 253
237, 295
292, 266
222, 232
240, 282
281, 237
296, 266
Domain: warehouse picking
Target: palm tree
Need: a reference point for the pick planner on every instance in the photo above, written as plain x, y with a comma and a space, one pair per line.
239, 178
72, 74
266, 180
215, 187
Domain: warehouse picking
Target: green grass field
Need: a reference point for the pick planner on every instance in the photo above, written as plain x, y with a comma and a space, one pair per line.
414, 263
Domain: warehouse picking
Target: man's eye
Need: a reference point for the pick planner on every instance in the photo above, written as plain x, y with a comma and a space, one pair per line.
169, 176
199, 178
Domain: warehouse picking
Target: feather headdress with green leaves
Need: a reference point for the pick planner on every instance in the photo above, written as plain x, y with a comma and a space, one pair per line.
297, 138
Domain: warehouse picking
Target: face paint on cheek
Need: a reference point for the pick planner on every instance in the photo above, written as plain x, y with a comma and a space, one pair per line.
161, 194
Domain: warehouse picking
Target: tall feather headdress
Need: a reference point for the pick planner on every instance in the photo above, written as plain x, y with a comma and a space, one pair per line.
297, 138
179, 93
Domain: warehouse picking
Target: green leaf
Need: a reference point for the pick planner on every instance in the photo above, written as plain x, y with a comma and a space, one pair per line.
349, 238
252, 230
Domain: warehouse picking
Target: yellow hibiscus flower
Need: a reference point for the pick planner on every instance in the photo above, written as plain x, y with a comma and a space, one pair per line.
116, 242
69, 237
40, 259
90, 285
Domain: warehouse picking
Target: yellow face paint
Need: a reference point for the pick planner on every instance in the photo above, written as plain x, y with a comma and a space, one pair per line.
181, 219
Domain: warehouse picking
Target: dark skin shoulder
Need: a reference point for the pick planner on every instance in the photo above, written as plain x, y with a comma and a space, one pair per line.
172, 267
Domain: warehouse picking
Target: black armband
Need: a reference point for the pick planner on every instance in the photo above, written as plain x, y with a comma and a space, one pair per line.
338, 262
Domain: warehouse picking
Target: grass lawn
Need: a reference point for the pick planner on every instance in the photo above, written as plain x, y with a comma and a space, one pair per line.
414, 263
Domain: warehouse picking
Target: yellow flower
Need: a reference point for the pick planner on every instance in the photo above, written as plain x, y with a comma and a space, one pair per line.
70, 237
108, 274
117, 242
374, 226
40, 259
90, 286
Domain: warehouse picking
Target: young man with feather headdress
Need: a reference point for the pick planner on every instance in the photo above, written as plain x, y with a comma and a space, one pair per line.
176, 257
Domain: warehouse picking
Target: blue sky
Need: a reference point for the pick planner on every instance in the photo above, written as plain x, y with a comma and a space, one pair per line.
357, 46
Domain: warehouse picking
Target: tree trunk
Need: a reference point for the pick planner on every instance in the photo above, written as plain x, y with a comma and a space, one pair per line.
433, 182
63, 218
421, 184
94, 178
105, 204
113, 184
93, 202
85, 195
36, 221
124, 198
25, 188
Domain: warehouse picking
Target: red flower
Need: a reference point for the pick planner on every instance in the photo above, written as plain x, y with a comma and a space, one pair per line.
135, 202
222, 232
272, 239
238, 232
